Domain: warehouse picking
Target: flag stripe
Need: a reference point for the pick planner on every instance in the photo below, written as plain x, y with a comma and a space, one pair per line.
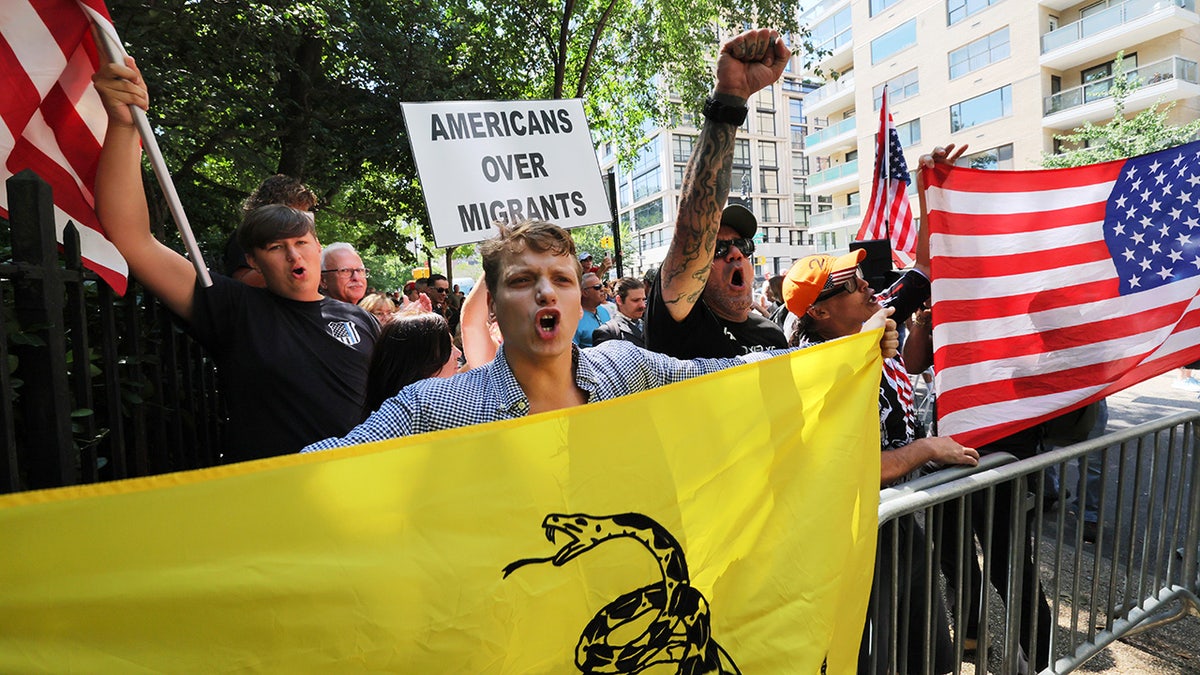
53, 120
1035, 261
888, 204
1054, 288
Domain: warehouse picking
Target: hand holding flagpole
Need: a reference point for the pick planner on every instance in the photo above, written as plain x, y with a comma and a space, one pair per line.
106, 37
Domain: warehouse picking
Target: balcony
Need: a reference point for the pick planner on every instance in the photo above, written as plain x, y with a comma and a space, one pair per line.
1103, 33
1171, 79
835, 179
837, 52
844, 134
834, 95
828, 220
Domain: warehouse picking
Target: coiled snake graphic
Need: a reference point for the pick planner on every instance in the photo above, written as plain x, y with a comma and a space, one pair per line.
679, 630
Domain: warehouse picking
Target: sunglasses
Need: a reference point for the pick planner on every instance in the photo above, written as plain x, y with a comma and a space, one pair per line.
441, 290
849, 286
595, 288
744, 244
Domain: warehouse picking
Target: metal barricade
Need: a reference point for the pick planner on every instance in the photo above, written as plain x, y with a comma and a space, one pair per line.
1075, 589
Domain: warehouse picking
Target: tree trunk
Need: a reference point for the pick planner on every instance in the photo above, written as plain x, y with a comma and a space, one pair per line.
298, 85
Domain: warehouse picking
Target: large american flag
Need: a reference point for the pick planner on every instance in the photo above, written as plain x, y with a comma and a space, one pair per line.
53, 121
1053, 289
888, 211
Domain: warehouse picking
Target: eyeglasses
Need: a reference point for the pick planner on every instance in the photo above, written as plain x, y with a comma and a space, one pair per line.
347, 272
440, 290
596, 287
744, 244
849, 286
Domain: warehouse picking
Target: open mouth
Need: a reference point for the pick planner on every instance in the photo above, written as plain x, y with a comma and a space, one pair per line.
737, 279
547, 321
298, 272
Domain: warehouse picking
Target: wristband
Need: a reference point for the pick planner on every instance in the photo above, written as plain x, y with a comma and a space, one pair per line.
718, 111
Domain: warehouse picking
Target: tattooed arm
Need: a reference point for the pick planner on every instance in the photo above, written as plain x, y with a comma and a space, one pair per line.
747, 63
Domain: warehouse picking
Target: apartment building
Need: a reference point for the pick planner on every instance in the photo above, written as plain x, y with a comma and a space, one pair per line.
1003, 76
770, 174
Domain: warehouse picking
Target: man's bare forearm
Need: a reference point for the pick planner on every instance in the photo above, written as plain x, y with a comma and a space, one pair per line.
706, 184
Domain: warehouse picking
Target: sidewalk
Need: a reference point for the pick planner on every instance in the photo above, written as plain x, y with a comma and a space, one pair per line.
1174, 648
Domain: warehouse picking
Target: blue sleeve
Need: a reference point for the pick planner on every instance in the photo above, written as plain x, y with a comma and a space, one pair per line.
395, 418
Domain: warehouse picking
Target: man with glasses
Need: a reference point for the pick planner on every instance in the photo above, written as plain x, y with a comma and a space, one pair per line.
343, 276
594, 315
832, 299
439, 297
700, 302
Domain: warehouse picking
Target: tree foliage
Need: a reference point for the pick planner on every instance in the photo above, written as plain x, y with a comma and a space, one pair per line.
1122, 137
242, 89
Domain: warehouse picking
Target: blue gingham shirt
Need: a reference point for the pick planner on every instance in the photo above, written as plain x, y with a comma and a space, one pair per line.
491, 393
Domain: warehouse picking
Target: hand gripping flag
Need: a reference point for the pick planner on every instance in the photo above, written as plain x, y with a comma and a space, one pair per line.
706, 535
53, 121
1053, 289
888, 212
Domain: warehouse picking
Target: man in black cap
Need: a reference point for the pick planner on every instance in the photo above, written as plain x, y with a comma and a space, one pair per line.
700, 306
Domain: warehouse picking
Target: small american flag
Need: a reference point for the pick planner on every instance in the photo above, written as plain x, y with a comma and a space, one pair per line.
888, 212
52, 119
1053, 289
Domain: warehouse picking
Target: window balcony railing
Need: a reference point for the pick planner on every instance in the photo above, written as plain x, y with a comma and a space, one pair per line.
833, 173
1171, 68
1114, 16
835, 216
836, 42
846, 125
829, 89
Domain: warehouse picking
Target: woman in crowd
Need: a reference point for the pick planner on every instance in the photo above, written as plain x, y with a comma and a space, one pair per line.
379, 305
411, 347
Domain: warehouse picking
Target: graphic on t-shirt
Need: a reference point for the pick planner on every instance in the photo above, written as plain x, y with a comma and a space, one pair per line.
678, 630
345, 332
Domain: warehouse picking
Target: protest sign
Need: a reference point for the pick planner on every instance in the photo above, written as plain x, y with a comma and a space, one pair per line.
483, 161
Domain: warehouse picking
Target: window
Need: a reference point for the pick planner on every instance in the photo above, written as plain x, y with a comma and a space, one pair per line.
648, 215
898, 88
878, 6
909, 133
770, 210
833, 32
797, 238
647, 157
768, 155
766, 122
800, 189
740, 181
679, 175
681, 147
993, 105
646, 184
1097, 81
1000, 158
770, 180
741, 152
766, 98
800, 214
796, 111
986, 50
957, 10
891, 42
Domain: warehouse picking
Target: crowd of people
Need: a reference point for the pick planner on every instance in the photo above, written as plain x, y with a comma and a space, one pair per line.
310, 359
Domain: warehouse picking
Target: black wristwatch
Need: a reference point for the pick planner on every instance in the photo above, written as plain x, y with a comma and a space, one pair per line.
718, 111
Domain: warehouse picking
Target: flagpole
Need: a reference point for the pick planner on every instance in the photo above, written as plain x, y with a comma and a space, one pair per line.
116, 53
884, 135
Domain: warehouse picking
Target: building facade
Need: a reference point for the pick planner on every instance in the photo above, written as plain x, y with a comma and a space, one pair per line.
770, 172
1003, 76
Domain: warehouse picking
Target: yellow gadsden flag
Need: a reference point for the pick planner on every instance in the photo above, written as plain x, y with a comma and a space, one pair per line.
724, 524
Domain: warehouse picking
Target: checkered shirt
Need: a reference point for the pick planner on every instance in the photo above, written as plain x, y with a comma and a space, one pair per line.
491, 393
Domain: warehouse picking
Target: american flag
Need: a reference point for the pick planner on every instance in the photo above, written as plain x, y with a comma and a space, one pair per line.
53, 121
888, 210
1053, 289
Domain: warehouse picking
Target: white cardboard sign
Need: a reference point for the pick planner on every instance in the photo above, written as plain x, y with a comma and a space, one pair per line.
482, 161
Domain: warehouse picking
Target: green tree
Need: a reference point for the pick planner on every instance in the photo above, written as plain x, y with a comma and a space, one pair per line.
1122, 137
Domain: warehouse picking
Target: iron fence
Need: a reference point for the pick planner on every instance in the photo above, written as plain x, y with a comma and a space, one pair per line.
92, 386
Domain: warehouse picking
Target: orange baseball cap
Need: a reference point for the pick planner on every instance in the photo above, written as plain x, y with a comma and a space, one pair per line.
812, 274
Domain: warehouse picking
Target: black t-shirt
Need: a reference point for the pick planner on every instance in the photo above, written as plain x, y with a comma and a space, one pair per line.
703, 334
292, 373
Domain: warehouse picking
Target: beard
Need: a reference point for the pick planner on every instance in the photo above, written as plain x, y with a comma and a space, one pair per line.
729, 304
